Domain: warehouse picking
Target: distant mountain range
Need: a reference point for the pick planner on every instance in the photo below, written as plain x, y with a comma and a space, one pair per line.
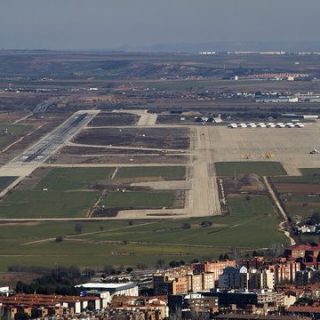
288, 46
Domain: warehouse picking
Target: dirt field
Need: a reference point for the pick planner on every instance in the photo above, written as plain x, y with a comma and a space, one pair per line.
114, 119
173, 138
83, 155
243, 183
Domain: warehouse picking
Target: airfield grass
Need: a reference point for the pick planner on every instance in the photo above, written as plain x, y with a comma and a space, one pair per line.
139, 200
73, 178
261, 168
43, 204
167, 173
310, 171
14, 130
5, 181
66, 195
252, 224
68, 192
309, 176
297, 179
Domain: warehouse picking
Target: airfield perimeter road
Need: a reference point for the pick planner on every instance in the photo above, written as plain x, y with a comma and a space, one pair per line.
32, 158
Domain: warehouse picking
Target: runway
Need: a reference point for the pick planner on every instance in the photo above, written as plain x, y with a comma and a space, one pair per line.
32, 158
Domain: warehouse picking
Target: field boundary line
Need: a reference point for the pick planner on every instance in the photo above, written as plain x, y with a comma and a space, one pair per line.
281, 210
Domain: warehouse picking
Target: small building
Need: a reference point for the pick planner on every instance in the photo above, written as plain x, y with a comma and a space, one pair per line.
109, 289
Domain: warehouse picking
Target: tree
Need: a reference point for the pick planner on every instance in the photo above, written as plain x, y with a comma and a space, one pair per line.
59, 239
206, 223
174, 264
185, 226
78, 227
226, 257
108, 269
21, 316
160, 263
315, 218
141, 266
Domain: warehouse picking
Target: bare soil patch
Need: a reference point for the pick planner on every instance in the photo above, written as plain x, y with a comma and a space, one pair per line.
114, 119
173, 138
243, 183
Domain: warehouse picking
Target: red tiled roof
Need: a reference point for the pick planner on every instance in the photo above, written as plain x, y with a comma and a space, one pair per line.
304, 309
39, 299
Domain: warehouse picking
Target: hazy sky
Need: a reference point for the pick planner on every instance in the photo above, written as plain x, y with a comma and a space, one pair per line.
107, 24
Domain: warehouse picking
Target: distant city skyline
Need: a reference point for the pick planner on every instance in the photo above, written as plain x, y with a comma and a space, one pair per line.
127, 24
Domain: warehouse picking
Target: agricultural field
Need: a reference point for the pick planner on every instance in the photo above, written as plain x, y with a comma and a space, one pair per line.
300, 195
252, 224
173, 138
261, 168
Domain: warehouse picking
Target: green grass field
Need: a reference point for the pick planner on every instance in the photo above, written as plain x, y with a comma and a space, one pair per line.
60, 179
139, 200
67, 192
47, 204
252, 224
14, 130
310, 171
63, 192
298, 179
5, 181
167, 173
261, 168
